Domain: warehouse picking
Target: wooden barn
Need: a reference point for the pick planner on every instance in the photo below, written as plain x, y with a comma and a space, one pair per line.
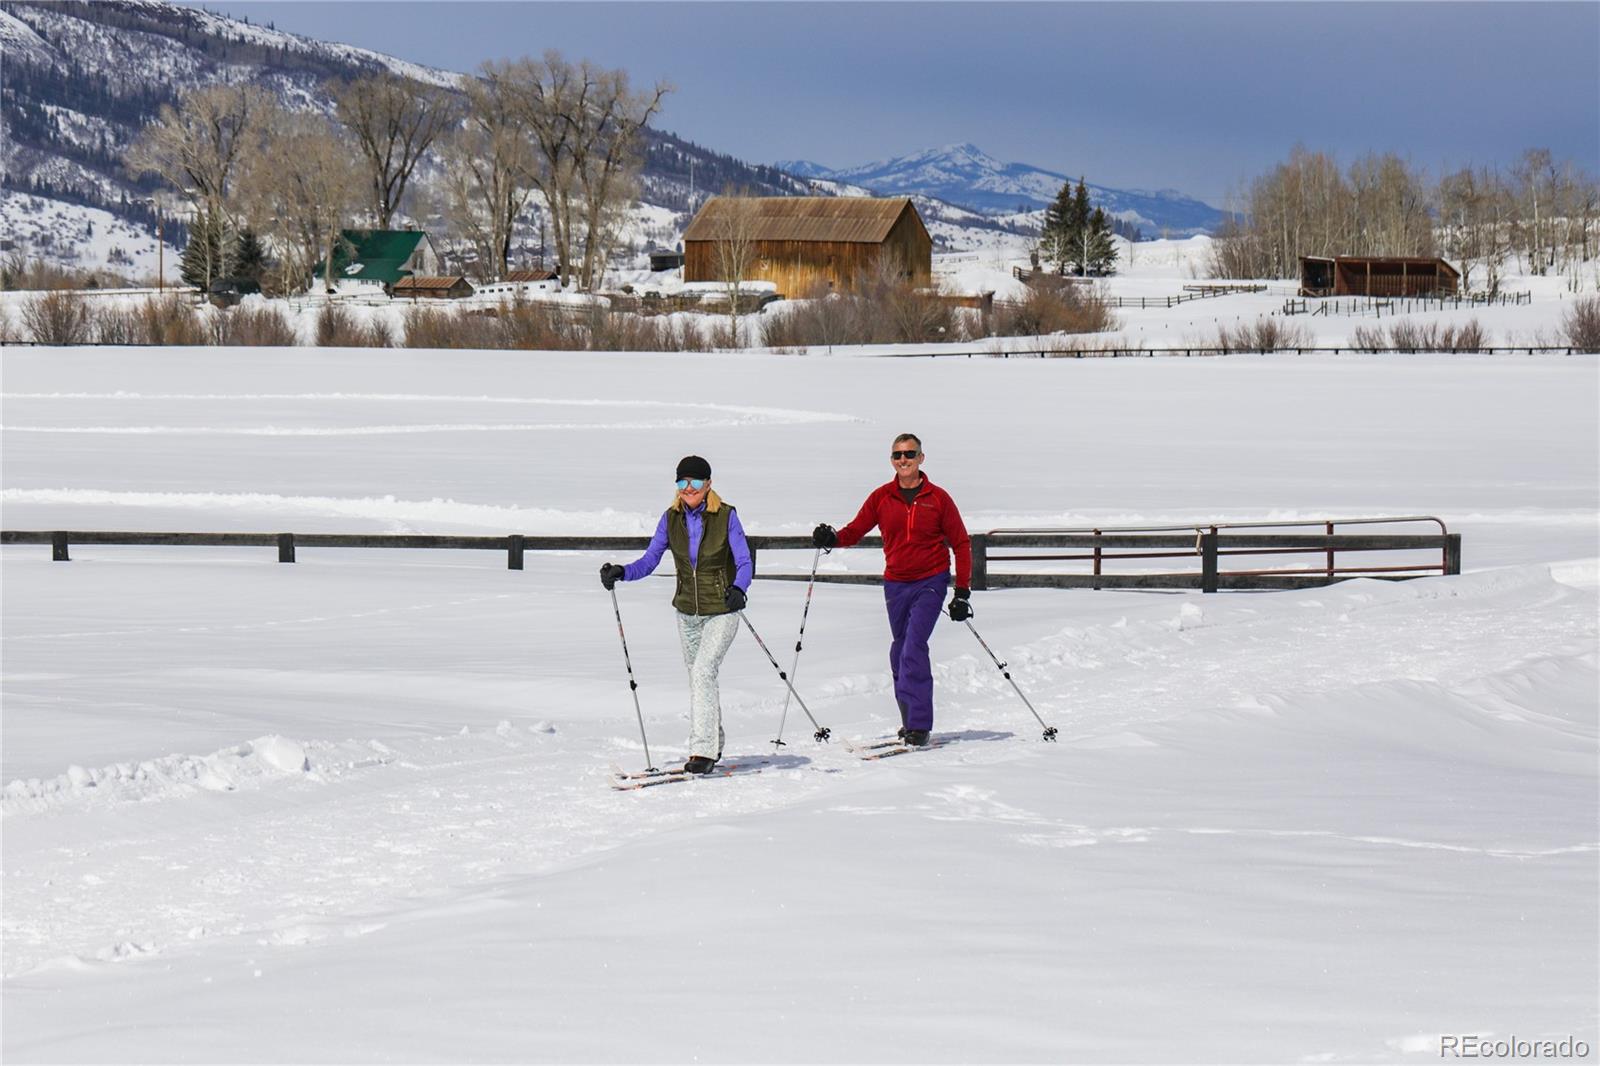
799, 242
1355, 275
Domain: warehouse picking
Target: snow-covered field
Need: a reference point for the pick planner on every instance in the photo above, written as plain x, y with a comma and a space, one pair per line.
356, 809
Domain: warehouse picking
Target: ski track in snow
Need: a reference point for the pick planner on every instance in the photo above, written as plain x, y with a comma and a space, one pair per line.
303, 842
710, 415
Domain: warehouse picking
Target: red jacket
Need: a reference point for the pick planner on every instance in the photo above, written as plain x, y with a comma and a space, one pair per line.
918, 537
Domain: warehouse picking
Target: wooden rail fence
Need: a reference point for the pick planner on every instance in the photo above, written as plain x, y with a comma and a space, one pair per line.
994, 554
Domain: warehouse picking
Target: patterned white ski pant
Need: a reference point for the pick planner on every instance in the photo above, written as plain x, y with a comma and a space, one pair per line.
705, 639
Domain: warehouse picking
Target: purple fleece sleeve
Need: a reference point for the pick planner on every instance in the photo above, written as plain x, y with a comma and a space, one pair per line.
646, 564
741, 553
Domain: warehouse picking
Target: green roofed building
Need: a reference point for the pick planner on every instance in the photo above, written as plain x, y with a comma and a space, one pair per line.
371, 261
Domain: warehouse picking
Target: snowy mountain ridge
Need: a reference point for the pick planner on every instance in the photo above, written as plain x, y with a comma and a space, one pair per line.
966, 175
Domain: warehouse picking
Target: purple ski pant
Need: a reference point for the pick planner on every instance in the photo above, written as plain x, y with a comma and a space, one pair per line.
914, 607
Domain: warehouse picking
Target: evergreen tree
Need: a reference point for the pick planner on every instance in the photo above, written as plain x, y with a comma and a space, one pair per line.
203, 261
249, 258
1100, 250
1079, 221
1055, 243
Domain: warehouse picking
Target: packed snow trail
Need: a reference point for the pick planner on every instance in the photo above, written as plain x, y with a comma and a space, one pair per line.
158, 855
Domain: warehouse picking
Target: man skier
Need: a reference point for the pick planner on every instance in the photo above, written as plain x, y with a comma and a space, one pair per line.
714, 571
921, 528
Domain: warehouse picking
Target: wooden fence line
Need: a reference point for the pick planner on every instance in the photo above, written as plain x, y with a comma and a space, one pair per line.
1208, 548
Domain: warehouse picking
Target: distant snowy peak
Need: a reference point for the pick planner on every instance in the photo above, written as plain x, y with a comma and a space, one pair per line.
964, 174
803, 168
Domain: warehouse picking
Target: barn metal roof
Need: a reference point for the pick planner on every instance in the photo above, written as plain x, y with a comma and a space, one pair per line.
847, 219
428, 282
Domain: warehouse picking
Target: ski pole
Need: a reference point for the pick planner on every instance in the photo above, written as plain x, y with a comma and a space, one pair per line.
823, 731
1049, 730
632, 684
794, 667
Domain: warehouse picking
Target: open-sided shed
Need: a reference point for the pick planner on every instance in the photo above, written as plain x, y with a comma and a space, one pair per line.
802, 242
432, 288
1356, 275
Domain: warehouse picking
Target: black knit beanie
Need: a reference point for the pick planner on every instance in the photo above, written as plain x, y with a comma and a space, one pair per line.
693, 466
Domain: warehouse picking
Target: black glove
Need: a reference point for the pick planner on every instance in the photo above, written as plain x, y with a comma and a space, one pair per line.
824, 536
960, 605
734, 598
610, 574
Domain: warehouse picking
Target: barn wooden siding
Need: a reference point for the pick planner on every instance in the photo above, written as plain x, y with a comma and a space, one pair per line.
803, 243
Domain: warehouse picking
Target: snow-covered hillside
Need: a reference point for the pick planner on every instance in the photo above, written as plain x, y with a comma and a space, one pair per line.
83, 238
356, 808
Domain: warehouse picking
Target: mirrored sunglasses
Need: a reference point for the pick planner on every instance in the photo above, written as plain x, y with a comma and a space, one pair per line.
695, 483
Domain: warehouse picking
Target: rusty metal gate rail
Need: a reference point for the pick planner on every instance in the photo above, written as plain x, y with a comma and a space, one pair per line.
1207, 545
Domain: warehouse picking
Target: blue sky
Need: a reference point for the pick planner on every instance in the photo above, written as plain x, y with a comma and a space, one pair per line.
1192, 96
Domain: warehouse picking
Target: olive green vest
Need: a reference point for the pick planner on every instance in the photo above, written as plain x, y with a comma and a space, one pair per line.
700, 588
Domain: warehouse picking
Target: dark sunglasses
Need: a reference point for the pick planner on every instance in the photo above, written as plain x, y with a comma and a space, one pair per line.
696, 483
904, 455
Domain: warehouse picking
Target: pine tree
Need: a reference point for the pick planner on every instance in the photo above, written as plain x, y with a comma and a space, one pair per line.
1055, 243
1101, 250
199, 263
1078, 224
249, 258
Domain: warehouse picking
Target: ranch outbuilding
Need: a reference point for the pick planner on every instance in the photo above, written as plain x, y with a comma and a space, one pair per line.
1354, 275
801, 243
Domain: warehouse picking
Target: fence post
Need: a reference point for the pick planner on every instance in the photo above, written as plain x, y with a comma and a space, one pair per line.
514, 552
1097, 558
1330, 553
58, 548
1208, 561
285, 547
1452, 553
980, 562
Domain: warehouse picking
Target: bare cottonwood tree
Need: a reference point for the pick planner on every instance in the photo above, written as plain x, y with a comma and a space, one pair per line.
586, 127
301, 191
394, 121
731, 224
197, 148
489, 169
1470, 203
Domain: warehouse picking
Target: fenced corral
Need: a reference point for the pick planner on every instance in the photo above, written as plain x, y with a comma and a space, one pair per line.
996, 554
1380, 306
1189, 294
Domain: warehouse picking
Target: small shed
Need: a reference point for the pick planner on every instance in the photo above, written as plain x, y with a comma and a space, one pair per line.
1356, 275
432, 288
524, 276
801, 242
664, 259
